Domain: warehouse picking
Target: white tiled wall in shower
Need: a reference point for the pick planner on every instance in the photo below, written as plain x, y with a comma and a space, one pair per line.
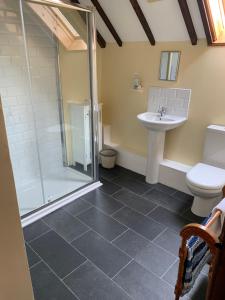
175, 100
24, 111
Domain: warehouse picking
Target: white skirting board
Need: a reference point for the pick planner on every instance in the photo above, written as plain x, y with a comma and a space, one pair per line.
171, 173
58, 204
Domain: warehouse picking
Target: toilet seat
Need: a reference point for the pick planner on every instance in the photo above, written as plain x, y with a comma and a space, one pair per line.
206, 178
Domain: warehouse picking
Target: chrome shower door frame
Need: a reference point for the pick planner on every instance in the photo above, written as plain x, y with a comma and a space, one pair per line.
44, 210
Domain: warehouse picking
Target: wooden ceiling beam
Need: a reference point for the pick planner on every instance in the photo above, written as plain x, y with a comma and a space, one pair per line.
143, 21
188, 21
100, 39
205, 21
107, 22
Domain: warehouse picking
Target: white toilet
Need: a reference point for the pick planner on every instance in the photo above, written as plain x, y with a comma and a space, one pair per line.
207, 179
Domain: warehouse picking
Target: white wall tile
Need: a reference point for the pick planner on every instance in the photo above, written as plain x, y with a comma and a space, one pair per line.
26, 112
176, 101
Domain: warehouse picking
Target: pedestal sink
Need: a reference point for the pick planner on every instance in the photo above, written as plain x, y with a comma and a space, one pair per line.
157, 126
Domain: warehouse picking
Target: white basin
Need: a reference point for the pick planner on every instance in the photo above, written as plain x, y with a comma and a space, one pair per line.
157, 127
154, 122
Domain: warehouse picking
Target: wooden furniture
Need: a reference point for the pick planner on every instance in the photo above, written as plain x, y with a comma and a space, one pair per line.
214, 244
216, 289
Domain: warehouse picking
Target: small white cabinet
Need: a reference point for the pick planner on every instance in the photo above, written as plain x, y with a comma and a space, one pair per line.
80, 133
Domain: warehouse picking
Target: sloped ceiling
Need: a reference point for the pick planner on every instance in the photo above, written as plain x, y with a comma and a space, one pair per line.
164, 17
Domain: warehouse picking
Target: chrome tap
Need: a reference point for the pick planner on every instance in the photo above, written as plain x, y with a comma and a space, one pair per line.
162, 111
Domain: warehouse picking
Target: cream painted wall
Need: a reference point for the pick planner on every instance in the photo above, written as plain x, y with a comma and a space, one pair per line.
202, 69
15, 282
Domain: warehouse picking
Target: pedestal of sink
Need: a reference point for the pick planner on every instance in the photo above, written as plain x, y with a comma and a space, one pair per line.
156, 140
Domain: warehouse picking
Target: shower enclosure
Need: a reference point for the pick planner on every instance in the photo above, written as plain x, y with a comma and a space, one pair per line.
48, 94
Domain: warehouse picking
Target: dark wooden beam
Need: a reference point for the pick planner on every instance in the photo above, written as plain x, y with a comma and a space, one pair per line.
100, 39
107, 22
205, 21
143, 21
188, 21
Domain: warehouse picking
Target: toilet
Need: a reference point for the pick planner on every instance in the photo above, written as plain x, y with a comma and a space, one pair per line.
207, 179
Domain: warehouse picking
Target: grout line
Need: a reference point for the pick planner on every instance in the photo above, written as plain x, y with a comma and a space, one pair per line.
44, 262
110, 216
91, 229
120, 235
170, 267
117, 209
124, 267
79, 236
112, 195
88, 260
83, 263
161, 233
146, 192
156, 205
115, 212
165, 250
82, 211
108, 241
37, 263
37, 237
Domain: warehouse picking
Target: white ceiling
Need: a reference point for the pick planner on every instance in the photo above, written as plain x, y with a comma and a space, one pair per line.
164, 17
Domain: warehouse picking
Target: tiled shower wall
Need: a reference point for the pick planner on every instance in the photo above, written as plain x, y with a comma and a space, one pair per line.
24, 111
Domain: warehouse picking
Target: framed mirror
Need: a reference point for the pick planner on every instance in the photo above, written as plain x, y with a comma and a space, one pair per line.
169, 65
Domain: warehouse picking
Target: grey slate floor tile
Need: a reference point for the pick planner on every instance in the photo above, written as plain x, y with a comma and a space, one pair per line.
103, 201
57, 253
167, 201
65, 225
131, 243
102, 224
183, 196
145, 226
170, 241
102, 253
173, 221
47, 286
134, 201
109, 187
155, 259
110, 174
192, 217
87, 266
164, 188
77, 207
132, 184
89, 283
31, 256
143, 285
35, 230
171, 275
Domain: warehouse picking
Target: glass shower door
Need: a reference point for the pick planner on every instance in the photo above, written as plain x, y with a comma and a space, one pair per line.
18, 110
49, 113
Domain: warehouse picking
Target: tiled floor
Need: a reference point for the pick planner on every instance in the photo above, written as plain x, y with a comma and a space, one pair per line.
118, 242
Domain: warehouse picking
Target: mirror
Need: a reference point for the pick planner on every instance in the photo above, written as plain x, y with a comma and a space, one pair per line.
169, 65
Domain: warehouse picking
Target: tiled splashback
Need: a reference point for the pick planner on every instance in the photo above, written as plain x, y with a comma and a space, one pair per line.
176, 101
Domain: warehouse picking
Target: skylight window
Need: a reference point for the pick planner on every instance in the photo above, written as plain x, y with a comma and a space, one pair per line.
59, 26
215, 10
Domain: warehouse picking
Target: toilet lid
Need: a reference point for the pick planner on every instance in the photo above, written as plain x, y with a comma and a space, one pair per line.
206, 177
